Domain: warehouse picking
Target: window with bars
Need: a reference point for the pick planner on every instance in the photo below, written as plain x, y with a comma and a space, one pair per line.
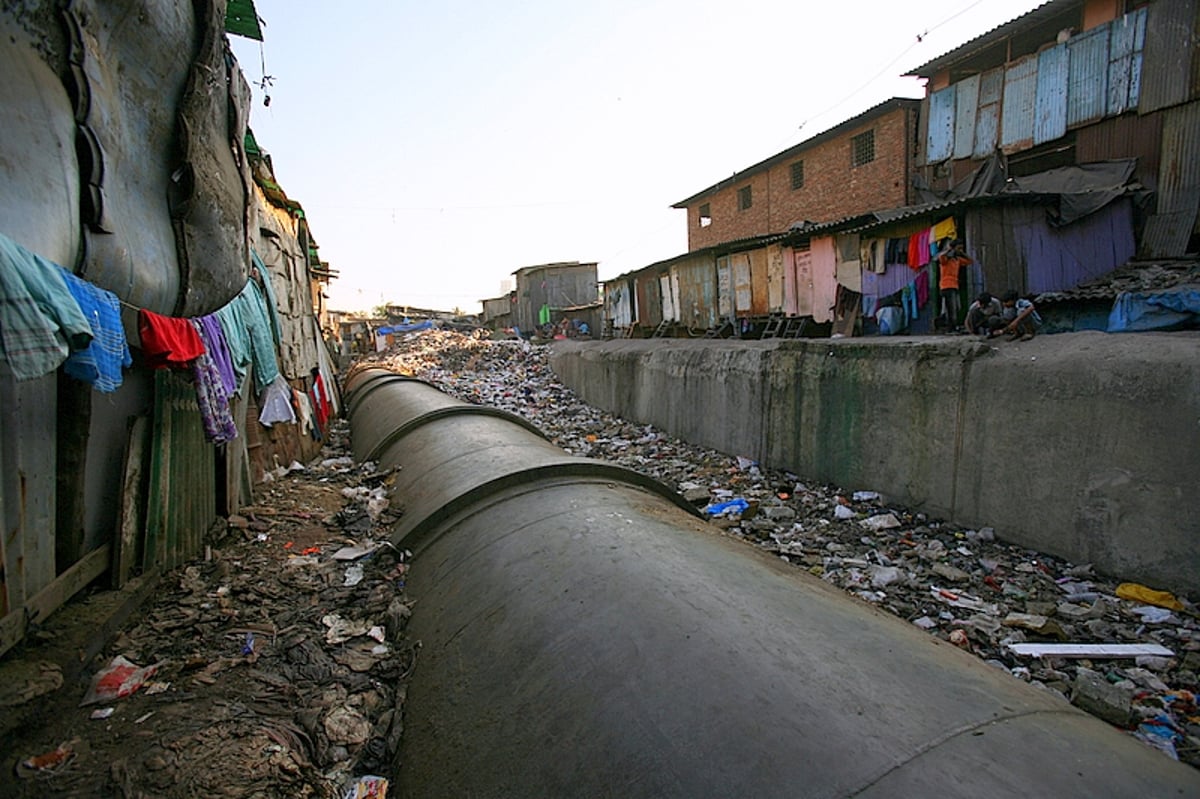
862, 148
705, 215
797, 175
745, 200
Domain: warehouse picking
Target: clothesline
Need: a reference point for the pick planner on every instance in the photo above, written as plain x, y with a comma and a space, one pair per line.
50, 317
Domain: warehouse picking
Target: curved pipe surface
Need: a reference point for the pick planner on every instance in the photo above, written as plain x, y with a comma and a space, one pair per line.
583, 636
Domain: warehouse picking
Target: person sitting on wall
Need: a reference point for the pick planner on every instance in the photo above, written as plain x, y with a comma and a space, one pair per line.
1021, 318
984, 315
951, 260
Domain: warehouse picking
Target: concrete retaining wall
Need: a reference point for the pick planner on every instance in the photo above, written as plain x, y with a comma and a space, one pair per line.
1083, 445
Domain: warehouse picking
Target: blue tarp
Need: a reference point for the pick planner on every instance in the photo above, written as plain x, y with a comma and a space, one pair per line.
383, 331
1171, 309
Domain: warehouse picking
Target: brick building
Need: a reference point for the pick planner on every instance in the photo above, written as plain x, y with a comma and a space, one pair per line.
860, 165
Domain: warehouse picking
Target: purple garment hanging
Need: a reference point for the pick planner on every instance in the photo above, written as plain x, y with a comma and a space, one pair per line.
214, 341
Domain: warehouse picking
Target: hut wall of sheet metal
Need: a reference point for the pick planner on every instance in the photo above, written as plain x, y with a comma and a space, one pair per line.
577, 624
127, 163
558, 285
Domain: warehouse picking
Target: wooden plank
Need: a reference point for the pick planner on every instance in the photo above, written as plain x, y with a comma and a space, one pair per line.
14, 626
133, 495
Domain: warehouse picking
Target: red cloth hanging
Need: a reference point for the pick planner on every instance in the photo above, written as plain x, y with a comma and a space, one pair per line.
167, 341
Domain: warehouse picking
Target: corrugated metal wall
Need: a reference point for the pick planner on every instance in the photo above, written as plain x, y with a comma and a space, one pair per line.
1170, 63
1038, 98
696, 279
1050, 113
1170, 227
724, 287
774, 279
181, 502
1128, 36
1020, 96
743, 290
1088, 86
987, 123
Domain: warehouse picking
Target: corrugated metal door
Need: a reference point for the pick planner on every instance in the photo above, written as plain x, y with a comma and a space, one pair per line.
987, 120
1170, 48
758, 282
668, 293
939, 143
1087, 85
1050, 115
1125, 61
802, 263
966, 108
743, 288
775, 279
790, 306
1020, 95
724, 288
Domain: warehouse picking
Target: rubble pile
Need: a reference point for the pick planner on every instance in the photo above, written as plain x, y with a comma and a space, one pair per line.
273, 666
1122, 651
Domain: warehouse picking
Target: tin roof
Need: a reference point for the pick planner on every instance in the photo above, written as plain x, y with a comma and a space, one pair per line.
866, 116
1041, 15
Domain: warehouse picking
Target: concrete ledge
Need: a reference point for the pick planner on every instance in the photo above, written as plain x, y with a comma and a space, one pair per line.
1082, 445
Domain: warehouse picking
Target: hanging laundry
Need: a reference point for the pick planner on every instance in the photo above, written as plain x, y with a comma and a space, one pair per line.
209, 328
101, 362
248, 333
168, 341
237, 339
908, 300
40, 321
914, 252
304, 410
269, 291
946, 229
212, 398
922, 284
276, 403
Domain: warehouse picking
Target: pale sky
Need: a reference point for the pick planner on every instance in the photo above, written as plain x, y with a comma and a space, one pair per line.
439, 146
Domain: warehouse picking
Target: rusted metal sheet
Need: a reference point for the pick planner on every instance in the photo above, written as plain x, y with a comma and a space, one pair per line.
965, 111
758, 282
1020, 96
939, 141
1170, 55
1169, 228
774, 279
1128, 35
1128, 136
801, 302
181, 502
1050, 115
987, 120
1087, 87
724, 287
743, 290
697, 281
649, 301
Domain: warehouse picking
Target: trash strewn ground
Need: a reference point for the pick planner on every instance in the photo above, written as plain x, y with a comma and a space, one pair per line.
962, 585
272, 667
276, 665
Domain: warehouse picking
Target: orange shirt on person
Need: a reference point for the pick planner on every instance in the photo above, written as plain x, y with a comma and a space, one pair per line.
949, 268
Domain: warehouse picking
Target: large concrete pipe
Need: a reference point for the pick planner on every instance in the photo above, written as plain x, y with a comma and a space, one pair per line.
584, 636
